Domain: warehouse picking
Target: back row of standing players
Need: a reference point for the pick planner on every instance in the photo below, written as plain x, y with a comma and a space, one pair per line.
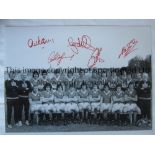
69, 93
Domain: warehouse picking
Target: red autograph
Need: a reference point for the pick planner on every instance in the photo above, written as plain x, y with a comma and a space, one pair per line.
39, 41
85, 42
56, 56
130, 47
95, 57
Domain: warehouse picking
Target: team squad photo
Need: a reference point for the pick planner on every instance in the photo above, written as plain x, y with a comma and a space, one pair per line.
41, 100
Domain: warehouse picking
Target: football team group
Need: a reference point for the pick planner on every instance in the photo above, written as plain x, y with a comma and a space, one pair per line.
44, 98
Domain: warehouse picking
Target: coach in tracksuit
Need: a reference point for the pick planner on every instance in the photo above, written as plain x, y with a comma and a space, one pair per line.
24, 90
144, 97
12, 99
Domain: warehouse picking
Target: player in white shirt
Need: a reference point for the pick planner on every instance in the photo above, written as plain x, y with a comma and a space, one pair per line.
84, 102
113, 81
35, 79
104, 78
71, 108
35, 101
82, 78
95, 102
106, 103
48, 101
69, 80
43, 80
131, 107
118, 103
60, 100
123, 81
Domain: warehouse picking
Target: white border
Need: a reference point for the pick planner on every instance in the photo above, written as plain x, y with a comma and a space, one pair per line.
77, 9
86, 22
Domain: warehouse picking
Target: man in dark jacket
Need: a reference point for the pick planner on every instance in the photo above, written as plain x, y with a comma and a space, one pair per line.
24, 90
11, 87
144, 97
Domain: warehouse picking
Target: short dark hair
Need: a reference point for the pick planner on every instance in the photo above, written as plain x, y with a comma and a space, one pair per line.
35, 72
69, 72
44, 72
47, 85
56, 71
59, 85
106, 85
83, 84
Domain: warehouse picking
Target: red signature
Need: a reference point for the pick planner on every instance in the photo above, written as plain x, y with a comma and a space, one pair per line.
130, 47
56, 56
85, 42
39, 41
95, 57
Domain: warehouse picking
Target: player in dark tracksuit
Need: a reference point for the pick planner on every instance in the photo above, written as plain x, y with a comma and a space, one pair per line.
24, 90
12, 100
144, 99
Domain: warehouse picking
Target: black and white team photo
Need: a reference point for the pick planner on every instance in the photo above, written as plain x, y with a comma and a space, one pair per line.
78, 79
87, 100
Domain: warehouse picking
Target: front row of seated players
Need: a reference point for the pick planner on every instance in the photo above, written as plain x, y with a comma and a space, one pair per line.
91, 106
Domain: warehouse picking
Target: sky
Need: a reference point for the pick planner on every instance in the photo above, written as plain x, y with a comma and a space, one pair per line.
110, 38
